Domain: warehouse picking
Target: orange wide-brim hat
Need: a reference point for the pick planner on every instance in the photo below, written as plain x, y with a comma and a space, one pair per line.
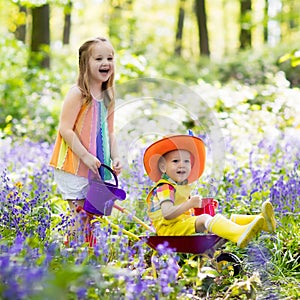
175, 142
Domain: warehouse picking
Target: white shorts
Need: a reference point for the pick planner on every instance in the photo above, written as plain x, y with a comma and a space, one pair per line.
72, 187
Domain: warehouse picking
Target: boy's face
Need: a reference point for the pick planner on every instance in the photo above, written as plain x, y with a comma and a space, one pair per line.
176, 164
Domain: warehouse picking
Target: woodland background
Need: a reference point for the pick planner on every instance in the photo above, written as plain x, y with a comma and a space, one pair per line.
237, 61
186, 41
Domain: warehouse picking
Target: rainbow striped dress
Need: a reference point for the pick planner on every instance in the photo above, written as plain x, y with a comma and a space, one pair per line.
92, 130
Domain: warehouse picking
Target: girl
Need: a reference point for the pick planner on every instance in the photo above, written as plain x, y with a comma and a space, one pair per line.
85, 135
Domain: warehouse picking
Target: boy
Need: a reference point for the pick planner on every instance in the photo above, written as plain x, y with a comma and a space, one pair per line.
173, 163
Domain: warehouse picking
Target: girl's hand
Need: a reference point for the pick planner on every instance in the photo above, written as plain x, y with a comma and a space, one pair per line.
92, 162
117, 166
195, 201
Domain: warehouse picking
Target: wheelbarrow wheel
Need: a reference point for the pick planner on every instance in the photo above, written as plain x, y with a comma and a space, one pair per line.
230, 262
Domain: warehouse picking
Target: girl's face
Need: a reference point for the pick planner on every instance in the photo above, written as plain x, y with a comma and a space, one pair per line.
177, 165
101, 62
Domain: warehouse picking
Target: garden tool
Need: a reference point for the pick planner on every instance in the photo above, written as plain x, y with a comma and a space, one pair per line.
102, 195
239, 234
267, 213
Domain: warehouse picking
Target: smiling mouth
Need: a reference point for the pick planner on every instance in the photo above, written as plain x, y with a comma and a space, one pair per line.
181, 172
103, 71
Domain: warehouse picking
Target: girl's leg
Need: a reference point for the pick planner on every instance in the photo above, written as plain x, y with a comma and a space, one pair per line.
79, 222
73, 187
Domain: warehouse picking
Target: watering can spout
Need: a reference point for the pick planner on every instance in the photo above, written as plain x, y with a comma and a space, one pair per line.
120, 194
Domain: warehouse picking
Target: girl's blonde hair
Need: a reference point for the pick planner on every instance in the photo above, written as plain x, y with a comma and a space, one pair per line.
83, 82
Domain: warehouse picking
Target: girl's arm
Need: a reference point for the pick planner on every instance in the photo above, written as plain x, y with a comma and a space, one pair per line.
70, 110
171, 211
114, 153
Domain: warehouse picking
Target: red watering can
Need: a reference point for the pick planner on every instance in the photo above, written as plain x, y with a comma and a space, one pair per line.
209, 207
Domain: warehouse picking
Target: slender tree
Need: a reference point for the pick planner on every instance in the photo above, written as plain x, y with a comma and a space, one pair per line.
67, 22
179, 29
266, 20
20, 32
245, 33
202, 27
40, 38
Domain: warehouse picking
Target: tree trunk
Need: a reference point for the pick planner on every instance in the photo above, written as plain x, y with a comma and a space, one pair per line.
245, 33
266, 20
67, 23
202, 27
179, 29
40, 38
20, 32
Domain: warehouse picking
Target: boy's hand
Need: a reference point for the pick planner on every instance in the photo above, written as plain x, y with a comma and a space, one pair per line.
195, 201
215, 203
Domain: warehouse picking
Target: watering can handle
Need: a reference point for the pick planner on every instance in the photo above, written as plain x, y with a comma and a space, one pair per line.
110, 170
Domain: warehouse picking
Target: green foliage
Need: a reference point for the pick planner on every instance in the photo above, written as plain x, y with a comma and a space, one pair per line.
248, 67
286, 256
293, 57
290, 64
28, 95
132, 66
35, 3
34, 96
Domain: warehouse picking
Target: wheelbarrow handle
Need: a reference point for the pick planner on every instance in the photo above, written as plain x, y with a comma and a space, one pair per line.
125, 211
121, 209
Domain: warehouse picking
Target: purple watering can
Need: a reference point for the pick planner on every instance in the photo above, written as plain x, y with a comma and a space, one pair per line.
101, 195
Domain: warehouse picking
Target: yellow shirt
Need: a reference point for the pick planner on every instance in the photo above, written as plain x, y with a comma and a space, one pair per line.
183, 224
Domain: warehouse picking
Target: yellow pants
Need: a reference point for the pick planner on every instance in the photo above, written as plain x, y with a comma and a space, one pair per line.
182, 225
